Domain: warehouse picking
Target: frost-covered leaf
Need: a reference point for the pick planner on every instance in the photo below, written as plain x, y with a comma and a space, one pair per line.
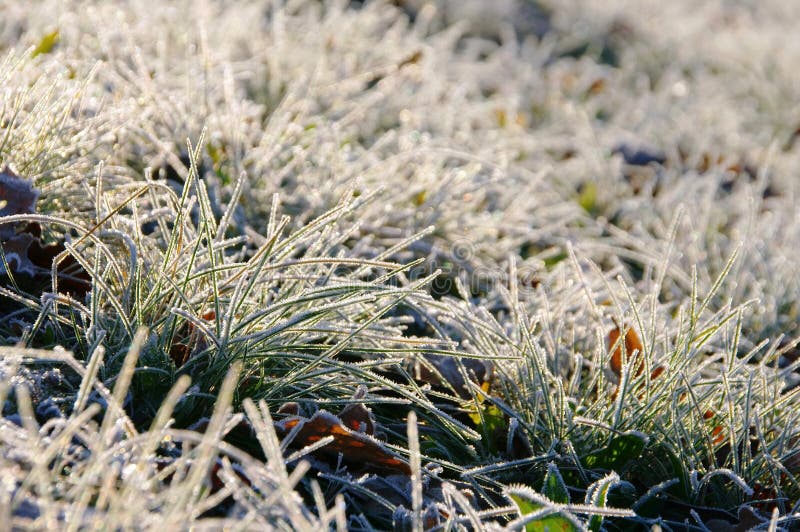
597, 495
554, 487
357, 448
529, 503
620, 451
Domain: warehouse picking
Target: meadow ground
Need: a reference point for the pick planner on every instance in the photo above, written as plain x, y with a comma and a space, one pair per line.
400, 265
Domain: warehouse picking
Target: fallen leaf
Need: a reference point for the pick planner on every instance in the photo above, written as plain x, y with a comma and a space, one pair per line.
15, 252
292, 409
22, 249
357, 417
17, 196
355, 447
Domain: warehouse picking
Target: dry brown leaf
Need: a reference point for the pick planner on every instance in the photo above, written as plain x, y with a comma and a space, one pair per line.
17, 196
22, 248
355, 447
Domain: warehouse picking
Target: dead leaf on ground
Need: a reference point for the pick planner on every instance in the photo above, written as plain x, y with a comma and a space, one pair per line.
24, 254
17, 196
357, 448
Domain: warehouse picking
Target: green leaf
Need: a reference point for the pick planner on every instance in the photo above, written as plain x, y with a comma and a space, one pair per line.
486, 414
528, 502
490, 418
525, 506
597, 495
621, 450
554, 487
552, 523
46, 44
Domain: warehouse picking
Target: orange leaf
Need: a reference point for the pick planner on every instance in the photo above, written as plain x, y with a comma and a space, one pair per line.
357, 417
718, 434
355, 447
632, 346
